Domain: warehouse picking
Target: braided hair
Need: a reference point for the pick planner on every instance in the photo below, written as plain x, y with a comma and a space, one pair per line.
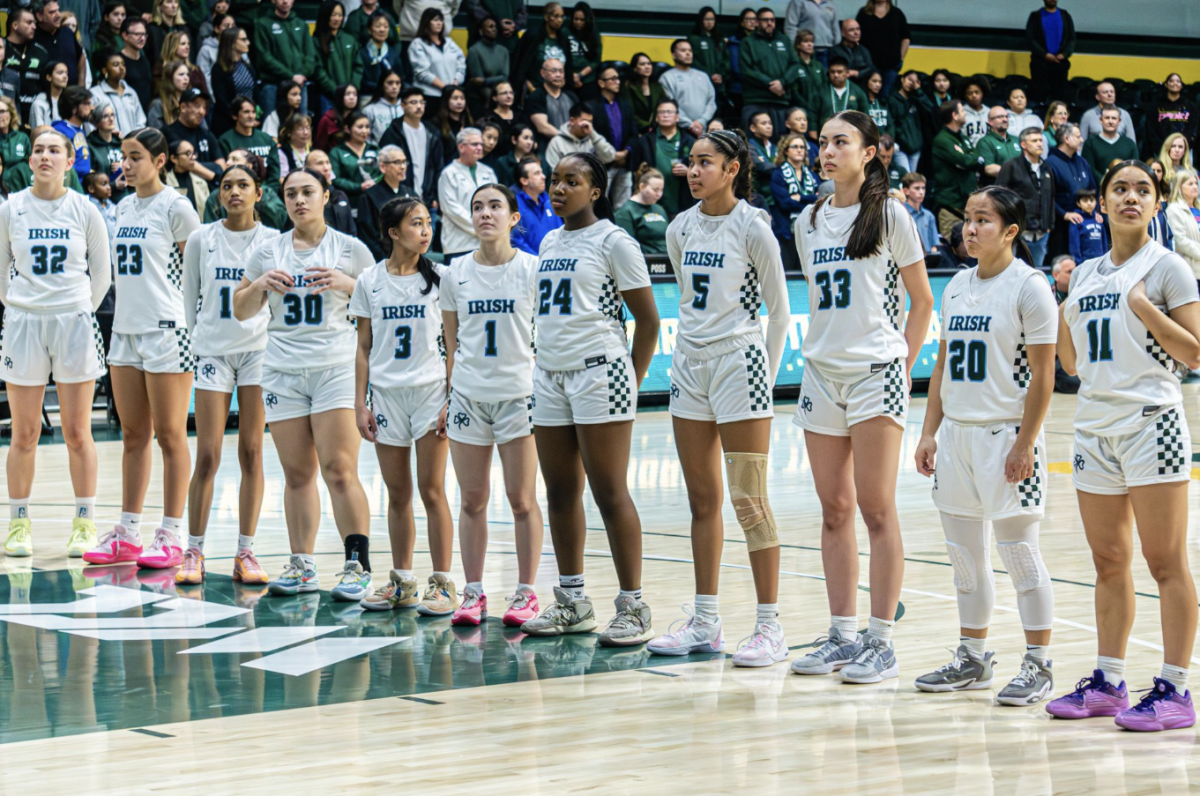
736, 148
598, 177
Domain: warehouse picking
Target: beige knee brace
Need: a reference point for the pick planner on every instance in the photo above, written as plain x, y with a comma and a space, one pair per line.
748, 491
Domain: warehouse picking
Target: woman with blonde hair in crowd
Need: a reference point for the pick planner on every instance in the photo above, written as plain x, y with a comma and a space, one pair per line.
1057, 113
1175, 155
177, 46
1183, 214
165, 18
794, 187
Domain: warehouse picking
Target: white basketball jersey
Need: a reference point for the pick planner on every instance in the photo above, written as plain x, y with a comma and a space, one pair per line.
493, 359
406, 327
580, 277
309, 330
148, 263
720, 289
48, 251
855, 306
217, 267
1124, 374
986, 325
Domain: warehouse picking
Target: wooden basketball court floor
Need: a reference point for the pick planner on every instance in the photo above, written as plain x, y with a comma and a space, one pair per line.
111, 682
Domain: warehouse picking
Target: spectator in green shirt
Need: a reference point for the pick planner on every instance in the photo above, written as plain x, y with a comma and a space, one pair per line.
709, 49
337, 53
768, 62
1101, 149
357, 23
355, 161
246, 135
954, 166
996, 147
642, 216
283, 50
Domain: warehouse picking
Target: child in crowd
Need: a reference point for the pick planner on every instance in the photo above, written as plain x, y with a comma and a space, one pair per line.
99, 191
913, 186
1089, 239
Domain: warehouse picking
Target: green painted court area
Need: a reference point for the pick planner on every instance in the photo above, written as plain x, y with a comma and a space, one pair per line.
69, 665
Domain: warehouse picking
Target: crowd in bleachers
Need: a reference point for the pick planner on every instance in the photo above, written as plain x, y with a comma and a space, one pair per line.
386, 104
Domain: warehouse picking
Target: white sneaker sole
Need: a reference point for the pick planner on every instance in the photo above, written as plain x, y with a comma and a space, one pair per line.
1032, 699
586, 626
349, 597
628, 641
974, 685
679, 652
761, 663
425, 610
877, 677
825, 668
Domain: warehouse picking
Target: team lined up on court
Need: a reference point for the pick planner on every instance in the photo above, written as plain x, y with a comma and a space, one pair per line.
445, 360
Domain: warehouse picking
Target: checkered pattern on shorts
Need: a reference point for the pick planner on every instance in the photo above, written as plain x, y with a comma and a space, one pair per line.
99, 338
1021, 372
620, 394
183, 343
748, 294
1172, 458
175, 268
529, 402
895, 389
609, 302
756, 378
891, 294
1030, 490
1159, 353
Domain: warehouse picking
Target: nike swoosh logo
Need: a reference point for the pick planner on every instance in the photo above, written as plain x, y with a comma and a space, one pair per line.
956, 295
994, 433
376, 290
464, 282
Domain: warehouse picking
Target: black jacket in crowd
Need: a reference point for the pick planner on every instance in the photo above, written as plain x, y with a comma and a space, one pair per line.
1038, 194
1037, 37
599, 109
1164, 117
369, 205
435, 158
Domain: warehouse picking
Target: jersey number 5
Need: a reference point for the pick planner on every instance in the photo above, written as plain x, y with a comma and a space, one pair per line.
700, 291
306, 309
560, 299
48, 261
829, 282
129, 260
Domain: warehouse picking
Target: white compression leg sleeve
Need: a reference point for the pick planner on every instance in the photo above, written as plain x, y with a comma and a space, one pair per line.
969, 547
1017, 541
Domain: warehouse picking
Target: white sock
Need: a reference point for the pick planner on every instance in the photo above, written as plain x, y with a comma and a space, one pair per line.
132, 523
309, 561
1175, 675
572, 585
1113, 668
18, 509
245, 542
846, 626
196, 543
528, 587
1039, 653
405, 574
475, 586
636, 594
707, 608
768, 614
977, 647
880, 629
85, 508
172, 524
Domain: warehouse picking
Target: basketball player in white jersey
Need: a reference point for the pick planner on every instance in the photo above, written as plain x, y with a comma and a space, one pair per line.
988, 397
307, 276
151, 354
54, 272
586, 386
1128, 317
861, 254
401, 368
487, 303
727, 263
229, 356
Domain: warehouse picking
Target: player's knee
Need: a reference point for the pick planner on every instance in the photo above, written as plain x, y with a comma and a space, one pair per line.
25, 439
207, 463
432, 493
837, 514
748, 492
878, 520
1165, 565
1111, 560
521, 503
1025, 566
704, 504
474, 501
339, 475
966, 573
250, 457
76, 437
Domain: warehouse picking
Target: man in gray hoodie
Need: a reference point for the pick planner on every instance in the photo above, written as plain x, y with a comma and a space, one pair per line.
578, 135
690, 88
820, 17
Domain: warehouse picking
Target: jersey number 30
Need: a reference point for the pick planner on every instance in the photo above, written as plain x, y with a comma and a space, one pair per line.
129, 260
48, 261
302, 309
835, 289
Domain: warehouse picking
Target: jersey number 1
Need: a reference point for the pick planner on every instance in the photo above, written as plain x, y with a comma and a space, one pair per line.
48, 261
1099, 341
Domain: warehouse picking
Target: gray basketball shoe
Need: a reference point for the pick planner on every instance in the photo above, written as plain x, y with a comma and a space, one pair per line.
565, 615
630, 626
964, 673
875, 662
1032, 685
833, 654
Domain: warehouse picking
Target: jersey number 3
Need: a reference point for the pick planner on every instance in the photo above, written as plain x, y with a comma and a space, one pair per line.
835, 289
48, 260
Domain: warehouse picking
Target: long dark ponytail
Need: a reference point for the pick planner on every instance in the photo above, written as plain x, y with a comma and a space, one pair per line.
598, 176
1009, 205
392, 215
734, 146
866, 236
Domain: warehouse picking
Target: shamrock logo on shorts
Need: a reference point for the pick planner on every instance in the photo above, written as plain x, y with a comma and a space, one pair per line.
270, 399
674, 391
1078, 462
806, 403
381, 421
8, 363
461, 419
208, 371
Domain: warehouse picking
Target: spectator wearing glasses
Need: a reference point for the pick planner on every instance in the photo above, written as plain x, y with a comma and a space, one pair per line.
858, 57
768, 60
393, 164
138, 72
667, 148
421, 144
456, 186
612, 116
547, 42
997, 147
549, 106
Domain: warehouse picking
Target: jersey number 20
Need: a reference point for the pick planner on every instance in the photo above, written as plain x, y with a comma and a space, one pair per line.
48, 261
835, 289
968, 360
